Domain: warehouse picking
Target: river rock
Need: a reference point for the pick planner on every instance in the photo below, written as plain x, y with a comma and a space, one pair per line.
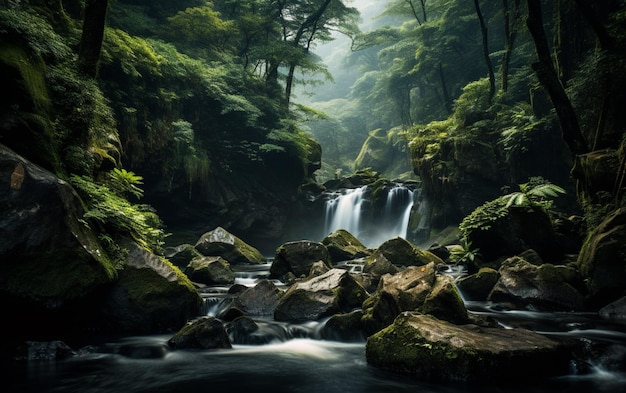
412, 289
259, 300
182, 254
219, 242
522, 228
401, 252
203, 333
547, 287
343, 246
615, 310
210, 271
298, 257
150, 296
321, 296
52, 264
478, 286
344, 327
601, 259
378, 265
432, 349
44, 350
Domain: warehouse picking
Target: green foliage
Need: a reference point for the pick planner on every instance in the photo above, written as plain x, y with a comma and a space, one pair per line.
464, 255
117, 216
21, 25
483, 217
134, 55
201, 26
123, 182
538, 192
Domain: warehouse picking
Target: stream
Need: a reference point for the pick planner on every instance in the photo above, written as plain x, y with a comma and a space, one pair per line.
292, 358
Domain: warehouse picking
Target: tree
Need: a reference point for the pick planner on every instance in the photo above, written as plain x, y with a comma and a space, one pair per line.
485, 36
93, 33
546, 73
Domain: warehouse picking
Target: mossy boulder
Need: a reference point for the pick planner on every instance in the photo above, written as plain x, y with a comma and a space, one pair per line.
182, 254
514, 231
378, 265
385, 152
321, 296
203, 333
445, 302
344, 327
297, 258
343, 246
401, 252
210, 271
601, 259
547, 287
220, 242
432, 349
150, 296
259, 300
477, 286
415, 288
52, 264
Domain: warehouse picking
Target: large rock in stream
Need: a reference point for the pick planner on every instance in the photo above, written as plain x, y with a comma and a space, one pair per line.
52, 264
210, 271
203, 333
432, 349
150, 296
330, 293
297, 258
601, 259
221, 243
343, 246
547, 287
415, 288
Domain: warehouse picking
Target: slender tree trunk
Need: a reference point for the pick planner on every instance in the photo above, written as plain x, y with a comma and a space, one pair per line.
484, 32
604, 38
546, 73
93, 34
447, 101
510, 35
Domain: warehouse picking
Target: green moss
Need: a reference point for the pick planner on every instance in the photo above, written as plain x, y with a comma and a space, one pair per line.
57, 275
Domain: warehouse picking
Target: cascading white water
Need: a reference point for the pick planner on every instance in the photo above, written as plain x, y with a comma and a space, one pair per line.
347, 210
343, 211
399, 198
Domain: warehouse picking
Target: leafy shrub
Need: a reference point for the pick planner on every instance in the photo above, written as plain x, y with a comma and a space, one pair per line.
117, 216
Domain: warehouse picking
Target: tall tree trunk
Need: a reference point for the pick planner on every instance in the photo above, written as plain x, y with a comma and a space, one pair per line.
93, 34
484, 32
604, 38
510, 35
447, 100
310, 22
549, 79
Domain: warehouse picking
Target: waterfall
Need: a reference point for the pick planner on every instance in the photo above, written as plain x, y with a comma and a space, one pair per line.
352, 210
402, 198
343, 210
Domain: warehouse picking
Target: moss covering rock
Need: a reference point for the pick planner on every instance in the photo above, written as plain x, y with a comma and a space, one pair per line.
401, 252
343, 246
432, 349
546, 287
150, 296
321, 296
203, 333
210, 271
297, 258
219, 242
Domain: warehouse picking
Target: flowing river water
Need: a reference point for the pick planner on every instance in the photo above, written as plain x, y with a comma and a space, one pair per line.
292, 358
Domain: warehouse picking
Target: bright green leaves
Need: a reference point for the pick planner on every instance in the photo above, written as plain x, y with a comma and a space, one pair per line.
202, 26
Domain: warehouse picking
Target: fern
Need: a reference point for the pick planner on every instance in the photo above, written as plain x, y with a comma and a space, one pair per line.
121, 181
534, 195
